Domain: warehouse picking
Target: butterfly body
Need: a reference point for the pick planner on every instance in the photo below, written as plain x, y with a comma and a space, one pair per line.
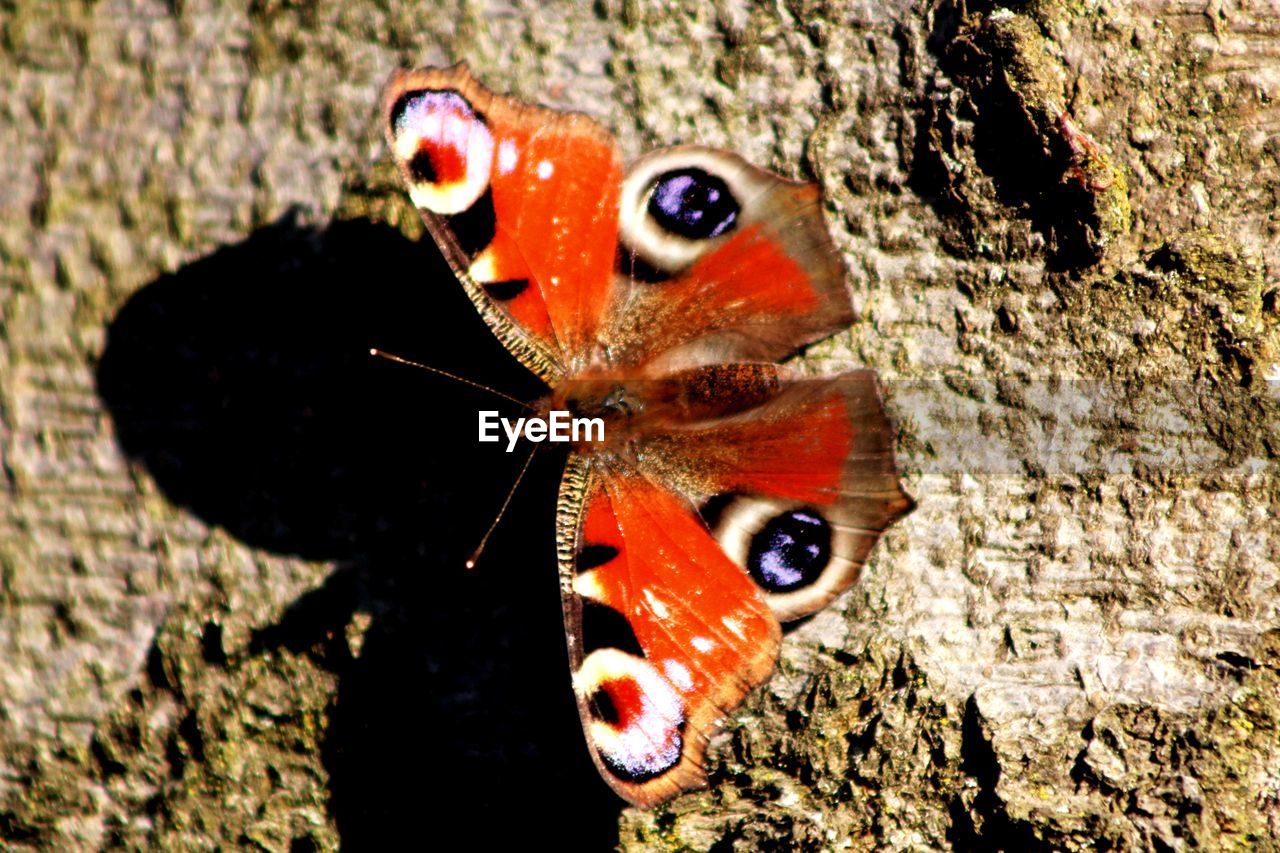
725, 495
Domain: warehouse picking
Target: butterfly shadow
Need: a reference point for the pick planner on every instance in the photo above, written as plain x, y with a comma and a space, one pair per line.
244, 386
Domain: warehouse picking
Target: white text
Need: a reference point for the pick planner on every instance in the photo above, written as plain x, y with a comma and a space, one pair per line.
558, 425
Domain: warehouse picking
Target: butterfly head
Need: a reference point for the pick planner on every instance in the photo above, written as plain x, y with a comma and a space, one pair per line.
616, 403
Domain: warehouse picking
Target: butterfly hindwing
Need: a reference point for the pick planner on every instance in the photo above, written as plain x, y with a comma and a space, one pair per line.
797, 489
793, 491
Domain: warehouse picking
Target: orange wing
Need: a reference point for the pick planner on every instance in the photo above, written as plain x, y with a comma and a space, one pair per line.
522, 200
666, 634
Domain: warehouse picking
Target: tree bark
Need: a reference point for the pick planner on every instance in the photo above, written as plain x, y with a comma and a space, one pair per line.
232, 604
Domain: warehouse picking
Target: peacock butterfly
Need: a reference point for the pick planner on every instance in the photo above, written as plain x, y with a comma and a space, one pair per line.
727, 495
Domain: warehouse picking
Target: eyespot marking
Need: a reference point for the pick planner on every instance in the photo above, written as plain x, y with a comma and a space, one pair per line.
678, 204
445, 147
693, 203
790, 551
637, 717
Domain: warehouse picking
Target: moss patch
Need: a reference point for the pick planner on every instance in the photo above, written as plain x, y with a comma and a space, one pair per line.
1210, 781
1007, 133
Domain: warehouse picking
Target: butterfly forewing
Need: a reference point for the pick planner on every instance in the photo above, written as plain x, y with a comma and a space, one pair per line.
701, 636
493, 177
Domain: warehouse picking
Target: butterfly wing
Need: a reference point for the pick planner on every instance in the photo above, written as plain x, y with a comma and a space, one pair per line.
522, 200
725, 261
797, 489
666, 634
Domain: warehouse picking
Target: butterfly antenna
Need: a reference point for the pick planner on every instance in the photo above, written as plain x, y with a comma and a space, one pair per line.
484, 540
398, 360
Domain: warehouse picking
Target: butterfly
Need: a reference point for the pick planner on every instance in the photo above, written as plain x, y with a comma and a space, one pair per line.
727, 496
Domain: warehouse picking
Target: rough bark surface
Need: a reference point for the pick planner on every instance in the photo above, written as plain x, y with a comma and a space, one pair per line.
232, 609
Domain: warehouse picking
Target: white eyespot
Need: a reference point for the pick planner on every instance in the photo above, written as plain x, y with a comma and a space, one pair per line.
756, 534
659, 247
702, 644
446, 149
643, 738
546, 169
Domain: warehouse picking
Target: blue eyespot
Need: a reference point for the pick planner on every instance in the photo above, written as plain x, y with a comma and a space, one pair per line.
693, 204
790, 551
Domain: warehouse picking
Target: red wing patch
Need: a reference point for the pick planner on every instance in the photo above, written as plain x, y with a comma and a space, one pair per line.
748, 287
555, 192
